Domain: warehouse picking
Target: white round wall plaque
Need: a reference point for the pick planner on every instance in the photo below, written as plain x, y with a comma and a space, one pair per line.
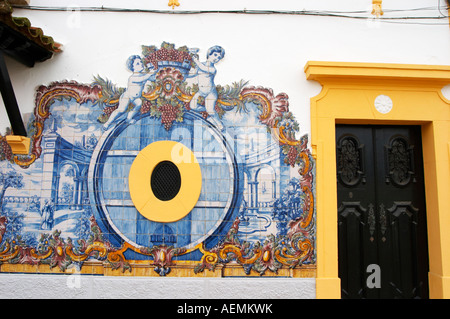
383, 104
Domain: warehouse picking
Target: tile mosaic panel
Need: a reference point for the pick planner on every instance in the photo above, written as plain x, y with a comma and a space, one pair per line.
67, 202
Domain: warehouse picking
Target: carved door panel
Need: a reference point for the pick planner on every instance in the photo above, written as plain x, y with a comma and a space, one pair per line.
381, 212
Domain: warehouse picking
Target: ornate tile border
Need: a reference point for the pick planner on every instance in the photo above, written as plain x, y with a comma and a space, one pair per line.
67, 203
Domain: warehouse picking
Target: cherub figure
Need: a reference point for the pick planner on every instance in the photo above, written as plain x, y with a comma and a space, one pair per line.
133, 93
205, 73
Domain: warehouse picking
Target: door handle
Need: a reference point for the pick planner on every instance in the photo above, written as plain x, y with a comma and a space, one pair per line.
371, 221
383, 221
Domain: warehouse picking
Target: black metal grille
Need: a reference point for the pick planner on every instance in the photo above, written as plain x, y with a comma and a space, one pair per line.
165, 180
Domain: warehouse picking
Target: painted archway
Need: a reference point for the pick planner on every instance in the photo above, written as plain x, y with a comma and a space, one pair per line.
266, 178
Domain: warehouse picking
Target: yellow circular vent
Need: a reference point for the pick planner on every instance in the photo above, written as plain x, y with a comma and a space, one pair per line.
165, 181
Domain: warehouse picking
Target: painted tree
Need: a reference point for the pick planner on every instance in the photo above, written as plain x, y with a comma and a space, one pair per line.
7, 180
289, 206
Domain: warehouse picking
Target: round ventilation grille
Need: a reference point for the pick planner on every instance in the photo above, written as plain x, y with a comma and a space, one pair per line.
165, 180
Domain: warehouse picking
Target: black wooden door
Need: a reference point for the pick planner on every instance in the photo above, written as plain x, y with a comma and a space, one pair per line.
383, 250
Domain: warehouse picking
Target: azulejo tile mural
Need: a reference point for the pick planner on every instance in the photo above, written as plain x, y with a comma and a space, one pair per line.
67, 203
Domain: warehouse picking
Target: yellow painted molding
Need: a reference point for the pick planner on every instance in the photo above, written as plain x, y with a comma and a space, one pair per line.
440, 286
348, 95
328, 288
19, 144
145, 269
328, 71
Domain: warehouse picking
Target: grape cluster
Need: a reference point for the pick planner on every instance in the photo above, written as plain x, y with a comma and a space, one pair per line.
145, 108
109, 109
292, 156
168, 115
5, 150
167, 55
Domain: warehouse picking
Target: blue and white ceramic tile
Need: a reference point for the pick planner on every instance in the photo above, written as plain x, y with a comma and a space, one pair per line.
83, 168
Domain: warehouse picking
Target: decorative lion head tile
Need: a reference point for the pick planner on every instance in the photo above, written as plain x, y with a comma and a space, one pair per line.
68, 201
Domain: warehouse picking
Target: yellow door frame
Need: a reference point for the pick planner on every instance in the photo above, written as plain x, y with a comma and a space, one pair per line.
388, 94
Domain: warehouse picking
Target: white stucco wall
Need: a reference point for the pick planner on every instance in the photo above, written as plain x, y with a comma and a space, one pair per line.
26, 286
268, 50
